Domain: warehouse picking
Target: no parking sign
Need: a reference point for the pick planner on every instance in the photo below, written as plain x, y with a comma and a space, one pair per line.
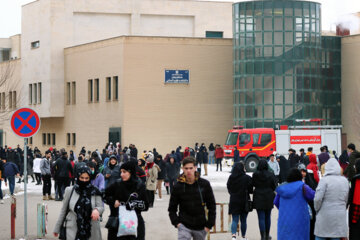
25, 123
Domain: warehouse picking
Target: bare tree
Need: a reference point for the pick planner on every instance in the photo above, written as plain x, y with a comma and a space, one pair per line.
11, 96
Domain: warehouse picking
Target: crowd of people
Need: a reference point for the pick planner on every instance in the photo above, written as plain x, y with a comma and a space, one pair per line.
312, 192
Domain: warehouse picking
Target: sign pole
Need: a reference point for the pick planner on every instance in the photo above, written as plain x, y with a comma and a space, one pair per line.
25, 188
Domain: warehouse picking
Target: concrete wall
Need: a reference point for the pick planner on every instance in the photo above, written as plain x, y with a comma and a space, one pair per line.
61, 24
350, 88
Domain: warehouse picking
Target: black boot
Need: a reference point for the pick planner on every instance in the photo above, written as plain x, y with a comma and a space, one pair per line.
263, 234
267, 235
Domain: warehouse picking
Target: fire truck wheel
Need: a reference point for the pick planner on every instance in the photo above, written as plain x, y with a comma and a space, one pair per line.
251, 164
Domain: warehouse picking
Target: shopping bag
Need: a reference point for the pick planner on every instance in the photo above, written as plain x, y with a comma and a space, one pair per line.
128, 222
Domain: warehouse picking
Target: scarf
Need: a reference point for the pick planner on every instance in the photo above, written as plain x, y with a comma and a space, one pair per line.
149, 165
356, 202
83, 209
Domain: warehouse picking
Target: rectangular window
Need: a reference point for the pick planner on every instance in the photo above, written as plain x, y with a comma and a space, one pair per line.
10, 100
30, 93
48, 139
14, 99
68, 93
44, 138
35, 44
31, 140
35, 93
53, 139
68, 139
40, 92
73, 93
116, 88
213, 34
74, 139
90, 91
97, 93
108, 88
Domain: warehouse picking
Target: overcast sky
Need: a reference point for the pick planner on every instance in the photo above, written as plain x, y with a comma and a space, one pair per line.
332, 12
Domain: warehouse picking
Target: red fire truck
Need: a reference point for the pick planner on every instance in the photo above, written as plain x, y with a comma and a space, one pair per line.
258, 143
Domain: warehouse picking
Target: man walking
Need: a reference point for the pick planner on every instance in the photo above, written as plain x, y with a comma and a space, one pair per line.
10, 170
191, 195
46, 175
354, 155
62, 169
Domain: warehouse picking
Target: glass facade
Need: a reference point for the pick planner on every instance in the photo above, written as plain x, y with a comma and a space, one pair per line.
283, 69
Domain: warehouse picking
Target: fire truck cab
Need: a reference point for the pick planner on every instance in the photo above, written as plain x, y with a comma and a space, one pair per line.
253, 145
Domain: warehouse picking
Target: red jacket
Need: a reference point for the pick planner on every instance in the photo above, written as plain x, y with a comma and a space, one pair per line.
219, 152
313, 167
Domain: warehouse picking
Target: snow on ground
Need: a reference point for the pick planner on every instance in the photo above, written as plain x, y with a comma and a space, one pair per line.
19, 188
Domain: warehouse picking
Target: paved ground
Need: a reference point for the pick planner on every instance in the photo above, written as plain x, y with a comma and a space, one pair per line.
157, 221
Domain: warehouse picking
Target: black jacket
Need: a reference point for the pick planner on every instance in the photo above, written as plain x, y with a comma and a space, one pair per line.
284, 168
350, 170
62, 168
237, 187
162, 172
188, 198
264, 183
294, 160
172, 170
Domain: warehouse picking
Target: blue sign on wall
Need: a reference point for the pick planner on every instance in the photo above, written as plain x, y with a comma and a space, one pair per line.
177, 76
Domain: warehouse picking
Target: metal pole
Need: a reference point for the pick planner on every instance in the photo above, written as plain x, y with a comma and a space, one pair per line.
25, 188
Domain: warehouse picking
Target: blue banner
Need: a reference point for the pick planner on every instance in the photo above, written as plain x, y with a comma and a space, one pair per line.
177, 76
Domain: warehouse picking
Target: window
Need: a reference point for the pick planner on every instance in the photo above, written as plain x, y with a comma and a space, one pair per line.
108, 88
10, 100
68, 139
265, 139
115, 134
44, 138
40, 92
213, 34
74, 139
35, 44
35, 93
68, 93
73, 93
30, 93
53, 139
244, 139
97, 94
30, 140
14, 99
90, 91
256, 137
116, 88
232, 138
48, 139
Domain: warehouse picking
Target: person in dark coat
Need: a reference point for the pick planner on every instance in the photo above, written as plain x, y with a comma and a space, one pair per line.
172, 172
344, 160
354, 155
284, 167
264, 184
112, 171
131, 191
239, 186
354, 203
161, 174
294, 159
62, 168
236, 155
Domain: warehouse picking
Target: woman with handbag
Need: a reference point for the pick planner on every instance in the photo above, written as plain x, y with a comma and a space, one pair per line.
129, 191
294, 212
80, 214
239, 186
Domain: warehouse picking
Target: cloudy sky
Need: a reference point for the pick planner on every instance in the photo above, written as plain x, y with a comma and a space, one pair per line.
332, 12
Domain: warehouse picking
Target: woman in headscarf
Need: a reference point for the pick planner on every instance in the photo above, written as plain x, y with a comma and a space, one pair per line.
131, 191
239, 186
292, 201
344, 160
265, 184
354, 202
81, 210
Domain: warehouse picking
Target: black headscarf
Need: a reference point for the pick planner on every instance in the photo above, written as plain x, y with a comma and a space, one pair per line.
83, 207
238, 170
344, 157
263, 165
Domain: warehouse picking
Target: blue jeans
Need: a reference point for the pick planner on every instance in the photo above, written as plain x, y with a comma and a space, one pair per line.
211, 158
321, 238
264, 217
1, 193
11, 184
235, 217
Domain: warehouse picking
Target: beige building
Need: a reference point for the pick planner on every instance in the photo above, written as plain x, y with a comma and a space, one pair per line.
350, 88
95, 71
